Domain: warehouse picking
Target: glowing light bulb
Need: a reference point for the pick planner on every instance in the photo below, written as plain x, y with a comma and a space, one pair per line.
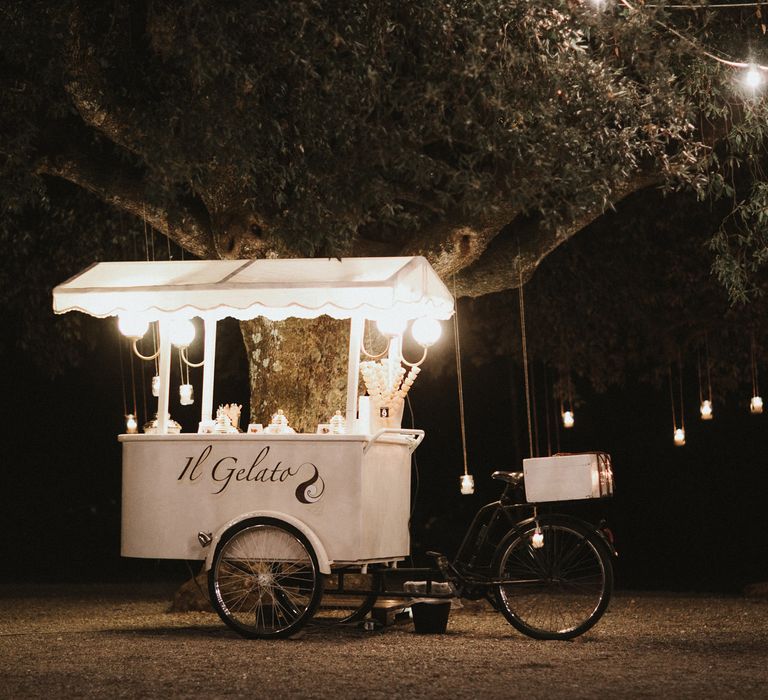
156, 385
706, 410
391, 326
467, 485
753, 78
132, 325
182, 332
756, 404
567, 419
186, 394
537, 538
426, 331
131, 426
679, 437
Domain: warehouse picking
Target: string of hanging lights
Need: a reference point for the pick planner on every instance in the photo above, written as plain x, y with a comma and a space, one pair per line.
755, 74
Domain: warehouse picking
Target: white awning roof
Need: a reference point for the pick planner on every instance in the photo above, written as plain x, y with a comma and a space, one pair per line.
373, 288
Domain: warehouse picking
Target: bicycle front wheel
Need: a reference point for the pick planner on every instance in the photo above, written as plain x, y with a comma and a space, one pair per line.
556, 586
265, 579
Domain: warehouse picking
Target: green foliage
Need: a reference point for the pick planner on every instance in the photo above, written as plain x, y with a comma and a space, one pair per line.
331, 121
626, 298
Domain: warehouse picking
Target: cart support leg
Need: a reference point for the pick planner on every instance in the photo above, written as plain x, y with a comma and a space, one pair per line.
353, 372
209, 365
165, 376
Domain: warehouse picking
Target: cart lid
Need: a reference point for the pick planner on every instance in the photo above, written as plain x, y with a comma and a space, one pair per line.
372, 288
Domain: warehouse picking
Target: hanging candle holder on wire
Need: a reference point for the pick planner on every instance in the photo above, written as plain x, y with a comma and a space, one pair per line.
131, 424
705, 404
678, 433
467, 481
566, 402
756, 402
183, 341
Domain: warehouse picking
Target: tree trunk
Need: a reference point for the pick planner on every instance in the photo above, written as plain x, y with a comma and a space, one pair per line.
298, 365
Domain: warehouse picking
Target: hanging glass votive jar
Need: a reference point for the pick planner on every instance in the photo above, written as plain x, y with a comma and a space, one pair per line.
338, 424
467, 484
756, 404
186, 394
679, 437
156, 385
131, 426
568, 419
706, 410
537, 538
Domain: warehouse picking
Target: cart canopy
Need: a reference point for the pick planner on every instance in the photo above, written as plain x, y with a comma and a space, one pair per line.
372, 288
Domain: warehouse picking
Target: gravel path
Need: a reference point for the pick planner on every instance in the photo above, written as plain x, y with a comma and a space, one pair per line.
116, 641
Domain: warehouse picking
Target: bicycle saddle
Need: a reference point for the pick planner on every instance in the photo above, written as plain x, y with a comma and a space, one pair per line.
513, 478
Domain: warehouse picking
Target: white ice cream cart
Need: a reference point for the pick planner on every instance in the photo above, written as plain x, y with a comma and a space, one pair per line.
271, 513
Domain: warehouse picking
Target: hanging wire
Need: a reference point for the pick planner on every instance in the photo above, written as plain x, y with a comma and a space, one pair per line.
709, 373
698, 369
122, 372
672, 399
680, 378
144, 390
133, 384
557, 427
755, 388
525, 355
534, 411
546, 411
458, 375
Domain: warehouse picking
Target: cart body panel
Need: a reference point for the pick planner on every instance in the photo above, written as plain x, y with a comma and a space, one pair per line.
355, 501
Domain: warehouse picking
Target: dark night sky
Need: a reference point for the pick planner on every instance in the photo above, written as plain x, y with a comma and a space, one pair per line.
689, 518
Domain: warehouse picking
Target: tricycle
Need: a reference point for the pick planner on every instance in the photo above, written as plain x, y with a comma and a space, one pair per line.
285, 521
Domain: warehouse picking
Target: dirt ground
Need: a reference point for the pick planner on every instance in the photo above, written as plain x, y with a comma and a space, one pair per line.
116, 641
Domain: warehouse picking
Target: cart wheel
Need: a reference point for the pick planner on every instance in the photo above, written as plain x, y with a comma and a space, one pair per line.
353, 602
265, 580
562, 588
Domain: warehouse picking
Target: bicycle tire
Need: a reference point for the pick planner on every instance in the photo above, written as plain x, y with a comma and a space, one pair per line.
557, 591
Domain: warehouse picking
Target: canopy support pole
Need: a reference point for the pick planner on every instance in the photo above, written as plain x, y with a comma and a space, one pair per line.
209, 365
395, 353
165, 375
353, 371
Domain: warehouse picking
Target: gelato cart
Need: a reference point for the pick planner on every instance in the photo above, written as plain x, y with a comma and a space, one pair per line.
282, 507
287, 522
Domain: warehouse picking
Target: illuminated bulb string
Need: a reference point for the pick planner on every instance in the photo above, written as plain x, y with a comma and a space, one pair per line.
693, 43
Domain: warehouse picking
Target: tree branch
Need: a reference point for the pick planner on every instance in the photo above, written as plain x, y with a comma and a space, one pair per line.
88, 88
521, 247
451, 247
185, 222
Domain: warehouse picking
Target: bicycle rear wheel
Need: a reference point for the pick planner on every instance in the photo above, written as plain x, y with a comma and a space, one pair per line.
558, 590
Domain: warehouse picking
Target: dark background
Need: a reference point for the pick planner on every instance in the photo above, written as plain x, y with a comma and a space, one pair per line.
690, 518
